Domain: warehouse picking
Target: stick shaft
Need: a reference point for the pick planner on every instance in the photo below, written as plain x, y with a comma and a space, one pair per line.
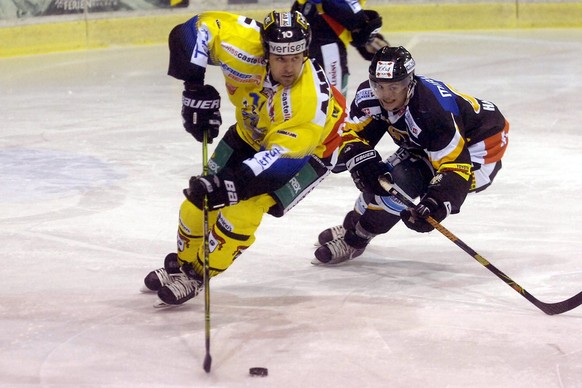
548, 308
207, 357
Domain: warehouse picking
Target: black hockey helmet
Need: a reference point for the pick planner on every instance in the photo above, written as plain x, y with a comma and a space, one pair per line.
285, 33
391, 64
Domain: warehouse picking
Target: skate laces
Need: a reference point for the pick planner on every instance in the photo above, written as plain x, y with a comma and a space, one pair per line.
331, 234
339, 248
182, 286
337, 231
163, 276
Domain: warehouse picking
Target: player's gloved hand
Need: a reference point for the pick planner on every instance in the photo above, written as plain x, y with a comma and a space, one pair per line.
221, 191
366, 167
416, 217
373, 25
201, 111
375, 42
367, 39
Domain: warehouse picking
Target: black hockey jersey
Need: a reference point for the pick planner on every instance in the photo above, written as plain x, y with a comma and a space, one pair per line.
440, 122
456, 132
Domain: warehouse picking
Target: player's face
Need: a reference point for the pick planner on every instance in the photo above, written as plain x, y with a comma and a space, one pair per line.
392, 95
285, 69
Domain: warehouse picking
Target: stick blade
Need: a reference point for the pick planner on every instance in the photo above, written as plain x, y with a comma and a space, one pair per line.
207, 363
558, 307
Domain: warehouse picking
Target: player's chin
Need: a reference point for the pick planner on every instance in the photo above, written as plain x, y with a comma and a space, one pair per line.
288, 80
390, 106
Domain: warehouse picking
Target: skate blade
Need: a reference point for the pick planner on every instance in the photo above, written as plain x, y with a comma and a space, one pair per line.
145, 290
159, 304
331, 263
315, 261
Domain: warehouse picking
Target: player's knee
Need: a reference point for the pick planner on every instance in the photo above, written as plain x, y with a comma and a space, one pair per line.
378, 222
226, 245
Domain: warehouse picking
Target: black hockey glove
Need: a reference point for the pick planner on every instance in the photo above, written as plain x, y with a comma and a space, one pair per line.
366, 167
221, 191
368, 40
201, 111
374, 43
372, 26
415, 217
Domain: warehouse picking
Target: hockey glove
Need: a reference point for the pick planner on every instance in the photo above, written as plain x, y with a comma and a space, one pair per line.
375, 42
415, 217
221, 191
372, 26
368, 39
366, 167
201, 111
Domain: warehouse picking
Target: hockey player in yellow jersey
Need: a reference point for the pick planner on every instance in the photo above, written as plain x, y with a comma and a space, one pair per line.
284, 142
229, 41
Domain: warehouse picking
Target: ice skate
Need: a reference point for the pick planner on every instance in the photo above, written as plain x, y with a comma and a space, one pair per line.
182, 288
331, 234
339, 231
335, 252
161, 276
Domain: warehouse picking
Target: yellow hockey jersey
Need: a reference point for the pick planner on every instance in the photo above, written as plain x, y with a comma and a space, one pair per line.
292, 122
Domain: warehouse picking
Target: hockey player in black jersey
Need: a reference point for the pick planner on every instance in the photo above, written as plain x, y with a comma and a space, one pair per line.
337, 24
449, 143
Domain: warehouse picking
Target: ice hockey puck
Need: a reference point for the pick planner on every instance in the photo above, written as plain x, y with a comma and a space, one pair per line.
259, 372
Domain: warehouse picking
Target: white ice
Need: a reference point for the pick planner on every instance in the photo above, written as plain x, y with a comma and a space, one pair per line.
93, 159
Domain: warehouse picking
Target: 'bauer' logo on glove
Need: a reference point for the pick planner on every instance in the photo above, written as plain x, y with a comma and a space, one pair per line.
201, 111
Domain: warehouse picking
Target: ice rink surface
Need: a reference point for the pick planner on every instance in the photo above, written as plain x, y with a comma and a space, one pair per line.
93, 159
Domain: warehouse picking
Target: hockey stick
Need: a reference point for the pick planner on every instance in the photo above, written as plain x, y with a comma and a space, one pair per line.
207, 358
548, 308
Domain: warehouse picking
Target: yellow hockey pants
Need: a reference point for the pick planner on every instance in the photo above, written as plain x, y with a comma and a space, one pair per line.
232, 230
